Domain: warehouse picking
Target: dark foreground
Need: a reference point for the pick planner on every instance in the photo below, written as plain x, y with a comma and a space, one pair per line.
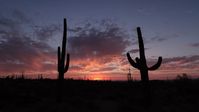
92, 96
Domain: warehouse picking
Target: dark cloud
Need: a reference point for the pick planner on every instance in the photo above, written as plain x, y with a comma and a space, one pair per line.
161, 38
75, 30
97, 41
136, 50
187, 62
44, 33
182, 60
158, 39
194, 44
15, 23
19, 51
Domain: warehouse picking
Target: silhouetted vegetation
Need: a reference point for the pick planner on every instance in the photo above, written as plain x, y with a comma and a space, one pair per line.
62, 67
129, 78
97, 96
184, 76
40, 76
141, 62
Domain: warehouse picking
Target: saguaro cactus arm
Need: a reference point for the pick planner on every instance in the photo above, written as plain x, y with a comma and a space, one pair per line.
157, 65
67, 63
58, 59
134, 64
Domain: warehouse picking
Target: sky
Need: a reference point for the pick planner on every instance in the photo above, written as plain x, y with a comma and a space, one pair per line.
100, 33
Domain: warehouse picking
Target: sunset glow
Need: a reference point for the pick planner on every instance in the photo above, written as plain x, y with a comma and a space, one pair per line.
97, 77
98, 40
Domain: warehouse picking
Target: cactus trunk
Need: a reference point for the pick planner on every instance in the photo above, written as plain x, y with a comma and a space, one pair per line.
144, 75
141, 46
61, 54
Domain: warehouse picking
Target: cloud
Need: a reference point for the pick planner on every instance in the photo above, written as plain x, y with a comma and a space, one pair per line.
92, 48
180, 63
177, 64
98, 41
145, 12
182, 59
97, 48
158, 39
76, 68
136, 50
104, 69
19, 51
172, 65
15, 23
194, 44
45, 33
162, 37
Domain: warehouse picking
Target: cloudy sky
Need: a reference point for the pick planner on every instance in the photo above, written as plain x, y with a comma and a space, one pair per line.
100, 33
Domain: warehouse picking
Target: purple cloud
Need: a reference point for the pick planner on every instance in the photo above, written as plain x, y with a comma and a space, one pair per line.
19, 51
194, 44
91, 41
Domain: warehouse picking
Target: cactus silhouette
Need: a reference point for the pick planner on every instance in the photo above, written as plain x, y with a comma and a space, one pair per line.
62, 64
62, 67
140, 63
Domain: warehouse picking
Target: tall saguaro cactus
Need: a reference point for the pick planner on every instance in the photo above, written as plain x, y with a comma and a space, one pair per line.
63, 66
140, 63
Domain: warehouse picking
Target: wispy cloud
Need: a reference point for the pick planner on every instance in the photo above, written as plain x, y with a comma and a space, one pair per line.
158, 39
19, 51
194, 44
183, 62
98, 41
45, 33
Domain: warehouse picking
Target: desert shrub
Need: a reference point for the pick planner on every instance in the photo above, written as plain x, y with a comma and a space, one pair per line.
184, 76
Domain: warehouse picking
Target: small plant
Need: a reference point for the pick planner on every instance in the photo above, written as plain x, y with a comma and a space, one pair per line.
129, 78
183, 77
40, 77
141, 62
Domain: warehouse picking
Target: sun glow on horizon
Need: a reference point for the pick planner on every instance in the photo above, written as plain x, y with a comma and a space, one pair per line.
97, 77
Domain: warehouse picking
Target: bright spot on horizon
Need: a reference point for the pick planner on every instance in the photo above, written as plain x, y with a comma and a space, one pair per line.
97, 77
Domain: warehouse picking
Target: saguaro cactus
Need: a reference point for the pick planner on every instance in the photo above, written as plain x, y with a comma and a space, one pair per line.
140, 63
61, 65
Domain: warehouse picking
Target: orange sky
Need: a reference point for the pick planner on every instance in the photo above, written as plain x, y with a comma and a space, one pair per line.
99, 69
